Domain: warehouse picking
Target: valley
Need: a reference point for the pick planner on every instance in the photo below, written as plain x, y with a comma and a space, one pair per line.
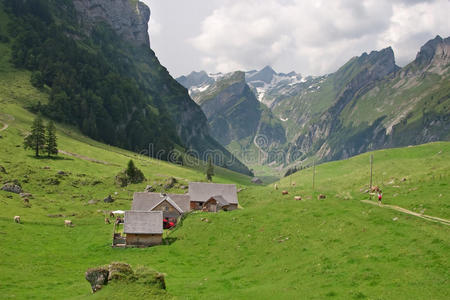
369, 103
323, 146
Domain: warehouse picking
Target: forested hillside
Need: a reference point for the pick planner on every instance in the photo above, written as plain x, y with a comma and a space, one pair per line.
104, 79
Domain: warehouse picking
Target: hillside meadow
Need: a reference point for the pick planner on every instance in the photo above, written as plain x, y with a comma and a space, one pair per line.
273, 247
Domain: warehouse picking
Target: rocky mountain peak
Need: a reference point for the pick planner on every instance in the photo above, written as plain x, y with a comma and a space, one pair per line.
128, 18
195, 79
265, 75
431, 48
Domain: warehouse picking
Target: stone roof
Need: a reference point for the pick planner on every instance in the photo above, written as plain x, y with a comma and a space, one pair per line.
182, 200
221, 200
144, 201
143, 222
202, 192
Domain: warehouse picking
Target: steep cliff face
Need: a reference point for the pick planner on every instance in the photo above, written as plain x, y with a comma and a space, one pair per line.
383, 106
128, 18
95, 57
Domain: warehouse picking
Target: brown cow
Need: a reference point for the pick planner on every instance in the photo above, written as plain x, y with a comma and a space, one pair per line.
298, 198
375, 188
321, 196
285, 193
17, 219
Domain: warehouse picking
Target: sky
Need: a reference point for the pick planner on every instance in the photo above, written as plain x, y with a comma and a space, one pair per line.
311, 37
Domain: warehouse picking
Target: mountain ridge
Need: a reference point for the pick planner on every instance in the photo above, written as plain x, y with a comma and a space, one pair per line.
330, 117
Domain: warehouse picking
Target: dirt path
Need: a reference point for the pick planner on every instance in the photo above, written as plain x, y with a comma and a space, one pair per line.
86, 158
6, 125
403, 210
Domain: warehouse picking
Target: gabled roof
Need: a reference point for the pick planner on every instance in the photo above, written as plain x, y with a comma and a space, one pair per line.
202, 192
182, 200
144, 201
221, 200
171, 202
143, 222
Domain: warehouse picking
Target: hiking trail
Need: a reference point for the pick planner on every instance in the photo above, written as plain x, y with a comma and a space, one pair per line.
406, 211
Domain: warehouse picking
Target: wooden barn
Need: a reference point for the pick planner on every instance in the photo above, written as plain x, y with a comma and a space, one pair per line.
143, 228
213, 197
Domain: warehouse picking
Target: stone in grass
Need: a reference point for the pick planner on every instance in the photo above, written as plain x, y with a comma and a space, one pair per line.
53, 181
108, 199
12, 188
26, 195
93, 202
149, 189
97, 277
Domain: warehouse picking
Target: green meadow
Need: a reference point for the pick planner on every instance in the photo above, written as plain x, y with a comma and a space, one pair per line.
274, 247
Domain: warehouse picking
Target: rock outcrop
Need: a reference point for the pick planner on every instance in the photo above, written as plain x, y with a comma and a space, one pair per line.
12, 188
128, 18
97, 278
118, 271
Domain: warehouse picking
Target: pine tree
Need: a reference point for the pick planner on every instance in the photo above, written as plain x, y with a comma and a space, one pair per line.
131, 169
134, 175
36, 140
209, 170
50, 140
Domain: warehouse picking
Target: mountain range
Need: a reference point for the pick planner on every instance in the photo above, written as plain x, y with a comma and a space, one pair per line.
369, 103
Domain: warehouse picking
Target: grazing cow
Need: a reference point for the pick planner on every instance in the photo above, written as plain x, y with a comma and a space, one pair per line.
107, 221
321, 196
26, 201
68, 223
111, 215
375, 188
17, 219
285, 193
298, 198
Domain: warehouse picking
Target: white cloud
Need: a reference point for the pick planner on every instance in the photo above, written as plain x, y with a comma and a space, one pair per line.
315, 36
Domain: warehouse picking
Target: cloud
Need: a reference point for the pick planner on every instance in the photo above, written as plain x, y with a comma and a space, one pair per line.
315, 36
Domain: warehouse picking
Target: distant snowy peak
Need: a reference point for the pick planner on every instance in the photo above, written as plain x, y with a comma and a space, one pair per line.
269, 85
266, 84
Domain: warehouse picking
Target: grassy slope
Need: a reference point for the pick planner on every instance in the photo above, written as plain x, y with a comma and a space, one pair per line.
275, 247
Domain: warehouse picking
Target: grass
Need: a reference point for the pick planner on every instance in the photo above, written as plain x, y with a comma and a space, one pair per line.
274, 247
